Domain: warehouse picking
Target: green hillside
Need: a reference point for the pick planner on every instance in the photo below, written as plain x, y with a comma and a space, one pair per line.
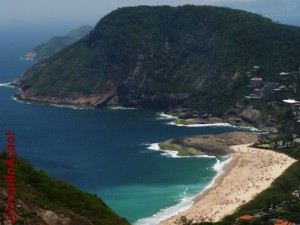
37, 191
56, 44
160, 57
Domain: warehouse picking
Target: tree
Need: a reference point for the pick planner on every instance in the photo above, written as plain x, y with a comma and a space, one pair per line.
184, 221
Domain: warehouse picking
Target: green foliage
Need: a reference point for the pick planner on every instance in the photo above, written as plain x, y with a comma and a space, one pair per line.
80, 32
29, 214
180, 151
53, 46
184, 221
49, 193
144, 52
56, 44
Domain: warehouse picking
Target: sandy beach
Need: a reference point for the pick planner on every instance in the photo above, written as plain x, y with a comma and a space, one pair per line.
249, 172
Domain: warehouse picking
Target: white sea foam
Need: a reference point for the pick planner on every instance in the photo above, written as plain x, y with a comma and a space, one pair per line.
5, 85
185, 201
54, 105
219, 168
68, 106
202, 125
214, 125
173, 153
14, 98
163, 116
154, 146
184, 204
120, 108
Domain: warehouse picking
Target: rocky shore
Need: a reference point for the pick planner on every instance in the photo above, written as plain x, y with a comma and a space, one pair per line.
244, 116
240, 116
213, 145
76, 101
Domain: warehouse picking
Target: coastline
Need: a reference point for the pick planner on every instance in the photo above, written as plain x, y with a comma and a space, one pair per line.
242, 179
193, 213
182, 116
212, 145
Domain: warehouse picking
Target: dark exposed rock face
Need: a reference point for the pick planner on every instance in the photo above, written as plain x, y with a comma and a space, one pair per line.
251, 115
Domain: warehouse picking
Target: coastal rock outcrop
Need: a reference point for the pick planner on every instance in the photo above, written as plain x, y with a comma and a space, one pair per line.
213, 145
252, 115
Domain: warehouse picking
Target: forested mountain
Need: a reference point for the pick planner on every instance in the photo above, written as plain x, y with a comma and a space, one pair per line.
160, 57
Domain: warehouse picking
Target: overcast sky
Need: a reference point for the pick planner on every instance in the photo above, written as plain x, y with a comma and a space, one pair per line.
90, 11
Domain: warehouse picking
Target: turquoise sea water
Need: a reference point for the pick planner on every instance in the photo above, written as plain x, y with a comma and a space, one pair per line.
108, 152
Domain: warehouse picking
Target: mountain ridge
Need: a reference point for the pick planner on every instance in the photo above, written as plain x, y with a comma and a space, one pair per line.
164, 57
56, 44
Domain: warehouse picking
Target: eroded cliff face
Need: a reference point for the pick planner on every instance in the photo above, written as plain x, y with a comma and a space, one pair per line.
125, 94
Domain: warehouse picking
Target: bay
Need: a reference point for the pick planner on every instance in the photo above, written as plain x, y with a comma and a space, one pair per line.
104, 151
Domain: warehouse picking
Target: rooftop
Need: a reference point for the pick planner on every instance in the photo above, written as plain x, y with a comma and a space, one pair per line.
282, 222
256, 79
246, 217
290, 101
284, 73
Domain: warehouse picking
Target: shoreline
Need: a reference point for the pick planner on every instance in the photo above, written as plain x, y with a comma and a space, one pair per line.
227, 167
242, 179
181, 116
212, 145
61, 105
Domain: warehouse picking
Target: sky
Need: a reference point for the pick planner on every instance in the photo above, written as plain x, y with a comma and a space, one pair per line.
90, 11
43, 19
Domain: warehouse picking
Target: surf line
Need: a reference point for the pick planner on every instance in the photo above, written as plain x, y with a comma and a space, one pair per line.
10, 179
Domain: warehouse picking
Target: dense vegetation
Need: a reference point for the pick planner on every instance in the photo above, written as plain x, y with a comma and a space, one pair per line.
189, 56
37, 187
56, 44
192, 56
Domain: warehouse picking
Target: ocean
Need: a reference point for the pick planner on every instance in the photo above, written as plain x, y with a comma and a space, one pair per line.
109, 152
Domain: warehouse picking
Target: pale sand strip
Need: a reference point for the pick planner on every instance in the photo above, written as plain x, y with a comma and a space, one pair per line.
249, 172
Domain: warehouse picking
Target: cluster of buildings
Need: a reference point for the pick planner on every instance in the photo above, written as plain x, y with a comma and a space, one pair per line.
279, 88
258, 87
283, 91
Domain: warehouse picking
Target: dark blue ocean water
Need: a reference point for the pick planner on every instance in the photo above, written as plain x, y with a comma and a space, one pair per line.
102, 151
